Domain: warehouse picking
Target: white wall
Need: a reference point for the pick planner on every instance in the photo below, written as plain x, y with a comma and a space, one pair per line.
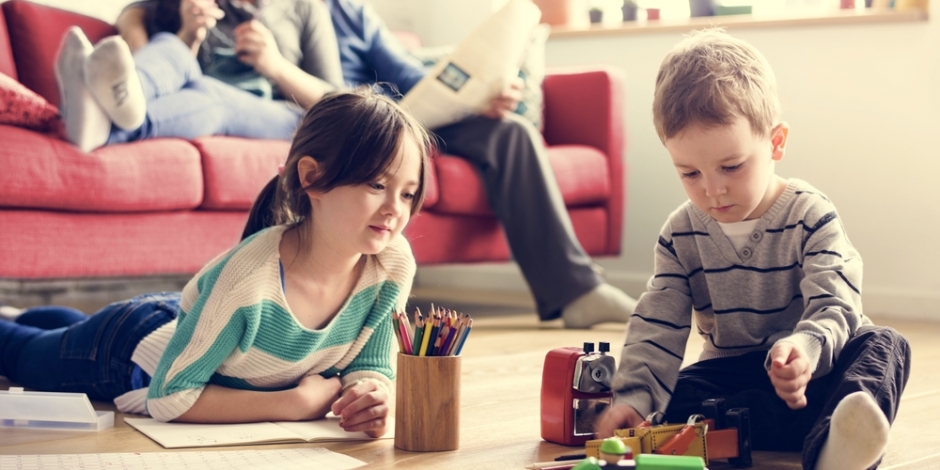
863, 102
107, 10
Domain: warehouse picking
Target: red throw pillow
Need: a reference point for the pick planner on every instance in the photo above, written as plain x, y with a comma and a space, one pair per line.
20, 106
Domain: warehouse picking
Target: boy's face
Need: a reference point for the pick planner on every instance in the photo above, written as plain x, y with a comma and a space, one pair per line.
728, 171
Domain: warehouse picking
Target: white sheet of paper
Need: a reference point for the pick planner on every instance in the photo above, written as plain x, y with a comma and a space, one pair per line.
178, 435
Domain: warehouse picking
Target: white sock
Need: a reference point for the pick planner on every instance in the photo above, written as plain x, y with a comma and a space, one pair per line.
86, 124
604, 303
858, 434
112, 77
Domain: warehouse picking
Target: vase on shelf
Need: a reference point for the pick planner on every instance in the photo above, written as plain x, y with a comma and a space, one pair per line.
596, 15
629, 10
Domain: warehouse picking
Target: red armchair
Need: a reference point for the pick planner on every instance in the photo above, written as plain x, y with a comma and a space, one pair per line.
166, 206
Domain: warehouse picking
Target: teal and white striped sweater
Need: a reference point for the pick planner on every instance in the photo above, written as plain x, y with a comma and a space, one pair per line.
236, 330
797, 279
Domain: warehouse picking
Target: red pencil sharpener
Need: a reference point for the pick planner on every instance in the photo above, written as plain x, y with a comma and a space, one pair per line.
575, 390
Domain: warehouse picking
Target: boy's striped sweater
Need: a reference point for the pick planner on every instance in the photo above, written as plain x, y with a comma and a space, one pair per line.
235, 328
797, 279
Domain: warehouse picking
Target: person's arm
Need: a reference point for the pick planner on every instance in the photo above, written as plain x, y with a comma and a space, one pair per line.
655, 341
831, 288
130, 25
255, 46
196, 18
319, 45
311, 399
366, 381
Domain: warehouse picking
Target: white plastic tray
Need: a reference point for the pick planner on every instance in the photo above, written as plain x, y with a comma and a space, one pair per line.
51, 410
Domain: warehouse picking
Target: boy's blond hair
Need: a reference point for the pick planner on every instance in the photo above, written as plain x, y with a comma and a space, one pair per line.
710, 78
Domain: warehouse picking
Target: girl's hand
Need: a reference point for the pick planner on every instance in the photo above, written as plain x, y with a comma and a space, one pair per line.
255, 46
789, 373
507, 101
196, 18
314, 394
616, 417
363, 407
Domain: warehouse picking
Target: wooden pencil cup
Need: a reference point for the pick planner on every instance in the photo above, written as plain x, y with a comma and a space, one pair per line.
427, 403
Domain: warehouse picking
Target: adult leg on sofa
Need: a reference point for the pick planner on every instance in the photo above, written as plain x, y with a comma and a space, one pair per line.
207, 106
183, 103
524, 195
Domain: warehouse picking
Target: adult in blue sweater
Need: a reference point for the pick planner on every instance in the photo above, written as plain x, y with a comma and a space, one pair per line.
517, 177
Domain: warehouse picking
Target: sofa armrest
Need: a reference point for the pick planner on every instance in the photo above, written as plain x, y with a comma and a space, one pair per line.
584, 106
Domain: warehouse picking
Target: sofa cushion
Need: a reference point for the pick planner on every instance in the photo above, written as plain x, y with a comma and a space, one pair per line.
40, 171
236, 169
20, 106
35, 34
581, 171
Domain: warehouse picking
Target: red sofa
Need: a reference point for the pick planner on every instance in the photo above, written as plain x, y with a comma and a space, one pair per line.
166, 206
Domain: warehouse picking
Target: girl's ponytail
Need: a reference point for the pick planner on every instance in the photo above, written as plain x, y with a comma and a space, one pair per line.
263, 211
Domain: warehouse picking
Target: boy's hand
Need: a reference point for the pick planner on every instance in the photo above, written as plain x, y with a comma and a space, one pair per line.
314, 396
507, 101
363, 407
255, 46
616, 417
789, 373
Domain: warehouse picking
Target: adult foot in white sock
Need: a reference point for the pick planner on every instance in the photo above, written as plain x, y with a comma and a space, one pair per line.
858, 434
112, 77
604, 303
86, 124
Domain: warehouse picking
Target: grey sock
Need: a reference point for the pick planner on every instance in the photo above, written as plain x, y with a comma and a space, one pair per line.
604, 303
86, 124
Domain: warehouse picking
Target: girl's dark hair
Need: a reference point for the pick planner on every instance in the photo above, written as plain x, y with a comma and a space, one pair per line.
354, 137
166, 17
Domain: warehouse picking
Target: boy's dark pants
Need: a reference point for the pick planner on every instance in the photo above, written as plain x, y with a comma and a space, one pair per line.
877, 360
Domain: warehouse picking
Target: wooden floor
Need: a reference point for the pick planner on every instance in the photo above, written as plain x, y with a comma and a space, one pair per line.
502, 369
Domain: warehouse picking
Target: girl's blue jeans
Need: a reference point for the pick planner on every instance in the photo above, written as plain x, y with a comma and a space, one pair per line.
183, 103
59, 349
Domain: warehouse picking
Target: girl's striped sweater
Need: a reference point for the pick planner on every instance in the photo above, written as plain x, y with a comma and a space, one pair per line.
236, 330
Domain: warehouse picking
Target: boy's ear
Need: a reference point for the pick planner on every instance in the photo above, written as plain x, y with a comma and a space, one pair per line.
308, 171
778, 138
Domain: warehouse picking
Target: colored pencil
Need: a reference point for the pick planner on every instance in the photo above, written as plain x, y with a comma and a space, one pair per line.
463, 340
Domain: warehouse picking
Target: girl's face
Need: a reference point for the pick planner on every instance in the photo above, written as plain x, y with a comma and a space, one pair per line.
363, 219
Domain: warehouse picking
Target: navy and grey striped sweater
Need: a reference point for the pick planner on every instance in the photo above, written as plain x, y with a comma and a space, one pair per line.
797, 279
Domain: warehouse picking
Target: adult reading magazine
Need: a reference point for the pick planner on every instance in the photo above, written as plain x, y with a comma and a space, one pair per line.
506, 149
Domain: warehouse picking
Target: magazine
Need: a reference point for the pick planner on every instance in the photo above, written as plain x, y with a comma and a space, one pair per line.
465, 82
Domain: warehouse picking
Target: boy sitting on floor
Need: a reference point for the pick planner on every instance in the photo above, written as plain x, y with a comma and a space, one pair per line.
765, 267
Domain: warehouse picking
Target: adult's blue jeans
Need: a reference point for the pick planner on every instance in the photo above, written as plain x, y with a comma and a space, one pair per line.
59, 349
183, 103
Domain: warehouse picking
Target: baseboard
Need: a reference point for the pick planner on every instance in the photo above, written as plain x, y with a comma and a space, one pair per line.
505, 279
87, 295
